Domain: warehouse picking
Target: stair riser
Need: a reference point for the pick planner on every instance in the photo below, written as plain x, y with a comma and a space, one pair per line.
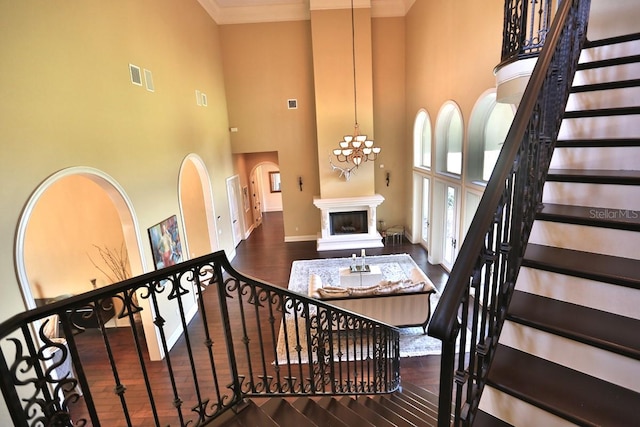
613, 98
625, 126
610, 51
614, 368
607, 74
621, 243
608, 196
516, 412
594, 158
619, 299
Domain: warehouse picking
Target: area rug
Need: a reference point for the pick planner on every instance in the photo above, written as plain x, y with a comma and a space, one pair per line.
413, 341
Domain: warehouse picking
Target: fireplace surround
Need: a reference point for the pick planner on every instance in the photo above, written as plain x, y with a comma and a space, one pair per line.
348, 222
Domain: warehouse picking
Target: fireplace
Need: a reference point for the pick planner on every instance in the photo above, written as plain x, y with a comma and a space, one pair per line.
349, 223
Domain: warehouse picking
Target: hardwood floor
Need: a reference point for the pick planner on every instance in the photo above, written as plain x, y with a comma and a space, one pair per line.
264, 256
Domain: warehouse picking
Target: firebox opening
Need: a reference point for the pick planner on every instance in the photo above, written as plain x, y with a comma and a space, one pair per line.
348, 222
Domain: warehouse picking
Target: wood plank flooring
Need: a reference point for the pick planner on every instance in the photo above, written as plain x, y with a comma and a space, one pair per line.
264, 256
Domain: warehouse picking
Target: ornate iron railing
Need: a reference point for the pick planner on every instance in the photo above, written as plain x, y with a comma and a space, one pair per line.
526, 24
224, 336
472, 309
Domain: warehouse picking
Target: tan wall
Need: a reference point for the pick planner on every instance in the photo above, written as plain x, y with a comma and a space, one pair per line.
66, 100
333, 68
71, 224
265, 65
451, 50
389, 117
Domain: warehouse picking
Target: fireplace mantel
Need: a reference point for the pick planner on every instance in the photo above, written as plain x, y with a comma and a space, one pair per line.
370, 239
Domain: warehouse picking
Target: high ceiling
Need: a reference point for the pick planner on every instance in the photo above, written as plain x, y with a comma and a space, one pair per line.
251, 11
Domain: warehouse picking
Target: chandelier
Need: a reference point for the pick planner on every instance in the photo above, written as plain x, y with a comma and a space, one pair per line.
354, 149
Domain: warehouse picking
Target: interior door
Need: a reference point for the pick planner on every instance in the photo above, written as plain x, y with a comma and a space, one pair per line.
234, 194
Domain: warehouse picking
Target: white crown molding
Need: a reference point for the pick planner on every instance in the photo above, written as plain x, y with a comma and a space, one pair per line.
296, 10
339, 4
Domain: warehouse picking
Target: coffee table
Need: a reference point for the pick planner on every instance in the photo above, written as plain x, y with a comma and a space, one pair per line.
360, 279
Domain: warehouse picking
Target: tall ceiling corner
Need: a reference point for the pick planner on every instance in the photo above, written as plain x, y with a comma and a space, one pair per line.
212, 8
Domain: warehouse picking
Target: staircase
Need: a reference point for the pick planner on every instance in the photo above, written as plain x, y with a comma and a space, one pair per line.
569, 351
409, 406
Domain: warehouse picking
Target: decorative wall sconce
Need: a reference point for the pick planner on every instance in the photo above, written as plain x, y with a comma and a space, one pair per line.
300, 182
388, 178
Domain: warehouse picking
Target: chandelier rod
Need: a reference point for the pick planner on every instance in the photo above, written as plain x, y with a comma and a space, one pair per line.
353, 58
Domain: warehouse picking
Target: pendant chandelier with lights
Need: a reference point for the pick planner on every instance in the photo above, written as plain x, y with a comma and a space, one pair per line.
354, 149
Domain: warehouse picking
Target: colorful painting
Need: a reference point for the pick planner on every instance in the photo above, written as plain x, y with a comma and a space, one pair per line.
165, 243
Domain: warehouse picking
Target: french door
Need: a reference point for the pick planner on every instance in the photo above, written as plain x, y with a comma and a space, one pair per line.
451, 226
424, 230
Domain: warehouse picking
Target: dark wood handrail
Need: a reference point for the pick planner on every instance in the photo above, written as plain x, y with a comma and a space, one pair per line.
444, 321
491, 254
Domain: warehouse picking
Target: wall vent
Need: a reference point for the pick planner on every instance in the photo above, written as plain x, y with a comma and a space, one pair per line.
148, 79
136, 77
292, 104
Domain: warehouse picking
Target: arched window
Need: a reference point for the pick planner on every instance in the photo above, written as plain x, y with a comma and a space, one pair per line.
488, 127
449, 136
422, 140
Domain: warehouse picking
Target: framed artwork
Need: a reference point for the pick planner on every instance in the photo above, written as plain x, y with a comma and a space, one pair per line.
165, 243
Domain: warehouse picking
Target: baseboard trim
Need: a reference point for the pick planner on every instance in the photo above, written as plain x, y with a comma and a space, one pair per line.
300, 238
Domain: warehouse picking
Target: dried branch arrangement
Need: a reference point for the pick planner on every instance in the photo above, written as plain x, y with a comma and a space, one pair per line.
116, 262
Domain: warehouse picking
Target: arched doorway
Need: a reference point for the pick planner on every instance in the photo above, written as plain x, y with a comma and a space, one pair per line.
264, 198
71, 217
196, 205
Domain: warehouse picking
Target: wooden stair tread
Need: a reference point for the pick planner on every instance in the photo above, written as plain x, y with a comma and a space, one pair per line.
598, 176
424, 394
483, 419
252, 415
347, 415
618, 84
586, 215
601, 112
415, 399
599, 142
282, 412
387, 412
424, 414
601, 329
373, 417
611, 62
588, 265
623, 38
414, 417
579, 398
315, 412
